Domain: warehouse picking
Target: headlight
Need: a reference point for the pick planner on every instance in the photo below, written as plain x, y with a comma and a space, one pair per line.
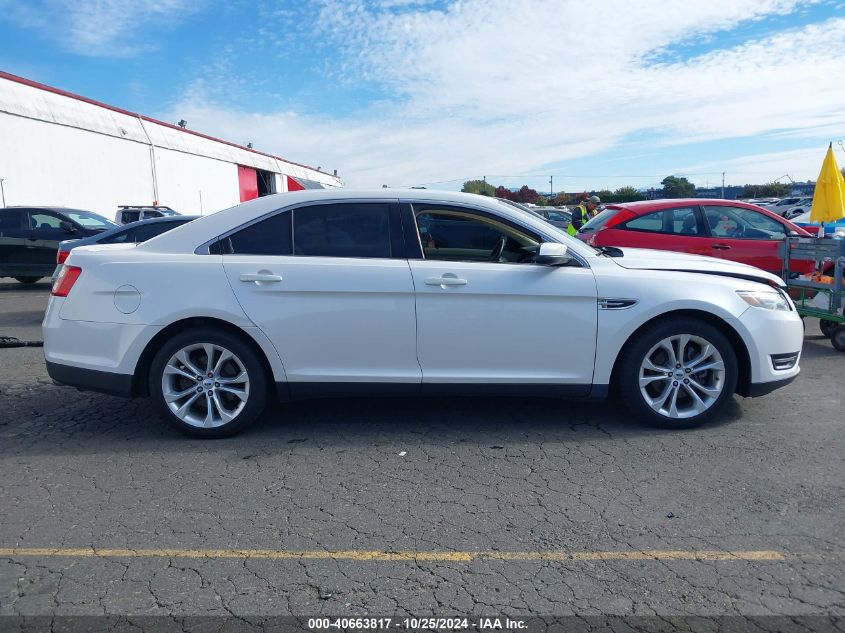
766, 299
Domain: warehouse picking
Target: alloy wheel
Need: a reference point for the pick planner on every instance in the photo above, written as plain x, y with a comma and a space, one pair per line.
205, 385
682, 376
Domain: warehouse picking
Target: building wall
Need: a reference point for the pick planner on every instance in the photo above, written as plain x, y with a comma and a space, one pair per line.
194, 184
60, 149
44, 163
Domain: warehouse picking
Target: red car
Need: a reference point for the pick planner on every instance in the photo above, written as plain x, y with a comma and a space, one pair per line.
728, 229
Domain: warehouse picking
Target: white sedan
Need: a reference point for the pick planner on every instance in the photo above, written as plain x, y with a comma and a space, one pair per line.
339, 292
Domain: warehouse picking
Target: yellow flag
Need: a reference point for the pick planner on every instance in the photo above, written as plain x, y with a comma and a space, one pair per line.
829, 198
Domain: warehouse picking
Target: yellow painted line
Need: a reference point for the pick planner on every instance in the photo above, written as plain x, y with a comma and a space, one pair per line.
370, 555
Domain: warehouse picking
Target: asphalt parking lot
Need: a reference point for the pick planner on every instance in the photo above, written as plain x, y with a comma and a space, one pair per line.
419, 507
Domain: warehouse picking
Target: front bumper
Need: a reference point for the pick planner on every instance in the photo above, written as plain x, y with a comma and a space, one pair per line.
768, 335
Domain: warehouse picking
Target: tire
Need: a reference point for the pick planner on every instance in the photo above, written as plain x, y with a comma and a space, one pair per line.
837, 337
236, 391
27, 280
646, 359
826, 327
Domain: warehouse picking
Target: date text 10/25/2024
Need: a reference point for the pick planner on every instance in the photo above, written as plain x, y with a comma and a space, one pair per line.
448, 624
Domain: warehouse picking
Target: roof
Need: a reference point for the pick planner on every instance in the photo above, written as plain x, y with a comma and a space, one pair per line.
211, 226
663, 203
43, 113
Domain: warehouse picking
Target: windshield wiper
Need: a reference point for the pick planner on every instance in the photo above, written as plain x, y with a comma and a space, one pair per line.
610, 251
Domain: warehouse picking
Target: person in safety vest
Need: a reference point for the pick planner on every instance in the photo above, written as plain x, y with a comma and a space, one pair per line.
582, 213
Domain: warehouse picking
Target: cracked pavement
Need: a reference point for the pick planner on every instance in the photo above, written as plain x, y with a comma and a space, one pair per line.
512, 475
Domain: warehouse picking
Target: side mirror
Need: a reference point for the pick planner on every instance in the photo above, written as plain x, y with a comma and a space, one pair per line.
67, 227
552, 254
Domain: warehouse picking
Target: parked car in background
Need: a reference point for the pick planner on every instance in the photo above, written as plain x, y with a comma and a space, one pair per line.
325, 292
830, 228
30, 236
779, 204
133, 213
558, 217
727, 229
793, 210
553, 215
132, 233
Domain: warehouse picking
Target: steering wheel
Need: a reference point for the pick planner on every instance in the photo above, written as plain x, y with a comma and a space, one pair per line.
739, 231
496, 253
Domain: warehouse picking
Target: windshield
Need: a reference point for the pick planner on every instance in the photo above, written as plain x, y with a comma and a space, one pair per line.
166, 212
90, 220
595, 223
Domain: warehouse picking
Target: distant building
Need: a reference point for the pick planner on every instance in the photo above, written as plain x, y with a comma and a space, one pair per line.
67, 150
803, 188
732, 192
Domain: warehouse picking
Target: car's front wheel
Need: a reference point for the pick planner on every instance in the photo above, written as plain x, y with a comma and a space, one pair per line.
208, 383
678, 373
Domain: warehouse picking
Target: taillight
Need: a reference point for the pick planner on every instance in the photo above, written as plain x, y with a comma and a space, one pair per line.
61, 256
64, 282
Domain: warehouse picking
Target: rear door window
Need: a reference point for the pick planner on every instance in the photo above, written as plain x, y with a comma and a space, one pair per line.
678, 221
342, 230
270, 236
11, 220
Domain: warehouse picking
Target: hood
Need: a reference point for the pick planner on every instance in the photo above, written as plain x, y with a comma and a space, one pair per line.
649, 259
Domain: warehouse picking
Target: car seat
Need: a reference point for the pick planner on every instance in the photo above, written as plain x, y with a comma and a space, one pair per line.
689, 227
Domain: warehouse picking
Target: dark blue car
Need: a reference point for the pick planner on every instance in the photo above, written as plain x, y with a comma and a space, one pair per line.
134, 232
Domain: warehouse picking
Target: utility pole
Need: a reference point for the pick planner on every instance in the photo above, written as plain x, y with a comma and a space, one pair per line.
2, 193
723, 185
551, 187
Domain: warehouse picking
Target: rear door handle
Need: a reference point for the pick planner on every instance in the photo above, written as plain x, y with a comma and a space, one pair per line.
445, 280
721, 247
260, 277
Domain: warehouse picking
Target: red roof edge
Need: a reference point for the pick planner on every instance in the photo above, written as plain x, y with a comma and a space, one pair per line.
65, 93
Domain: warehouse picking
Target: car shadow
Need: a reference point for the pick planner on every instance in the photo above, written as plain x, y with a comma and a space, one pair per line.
100, 424
16, 286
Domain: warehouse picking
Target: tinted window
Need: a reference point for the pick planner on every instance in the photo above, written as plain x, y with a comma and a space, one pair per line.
129, 216
120, 237
266, 237
148, 231
680, 221
11, 220
740, 223
40, 220
452, 235
342, 230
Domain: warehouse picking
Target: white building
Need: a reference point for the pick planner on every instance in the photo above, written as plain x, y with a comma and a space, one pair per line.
61, 149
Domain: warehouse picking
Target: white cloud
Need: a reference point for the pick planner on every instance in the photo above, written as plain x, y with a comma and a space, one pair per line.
107, 28
510, 86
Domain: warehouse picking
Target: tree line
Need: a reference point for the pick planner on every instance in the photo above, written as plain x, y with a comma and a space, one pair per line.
672, 187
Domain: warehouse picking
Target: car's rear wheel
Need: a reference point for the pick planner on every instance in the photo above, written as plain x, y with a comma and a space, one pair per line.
678, 373
27, 280
208, 383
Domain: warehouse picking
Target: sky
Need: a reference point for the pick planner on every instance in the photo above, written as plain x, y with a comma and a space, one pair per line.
593, 95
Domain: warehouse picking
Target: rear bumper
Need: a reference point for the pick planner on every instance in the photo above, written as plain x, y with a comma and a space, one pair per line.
91, 379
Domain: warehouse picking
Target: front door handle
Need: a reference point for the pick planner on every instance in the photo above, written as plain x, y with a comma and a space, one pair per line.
722, 247
261, 277
445, 280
